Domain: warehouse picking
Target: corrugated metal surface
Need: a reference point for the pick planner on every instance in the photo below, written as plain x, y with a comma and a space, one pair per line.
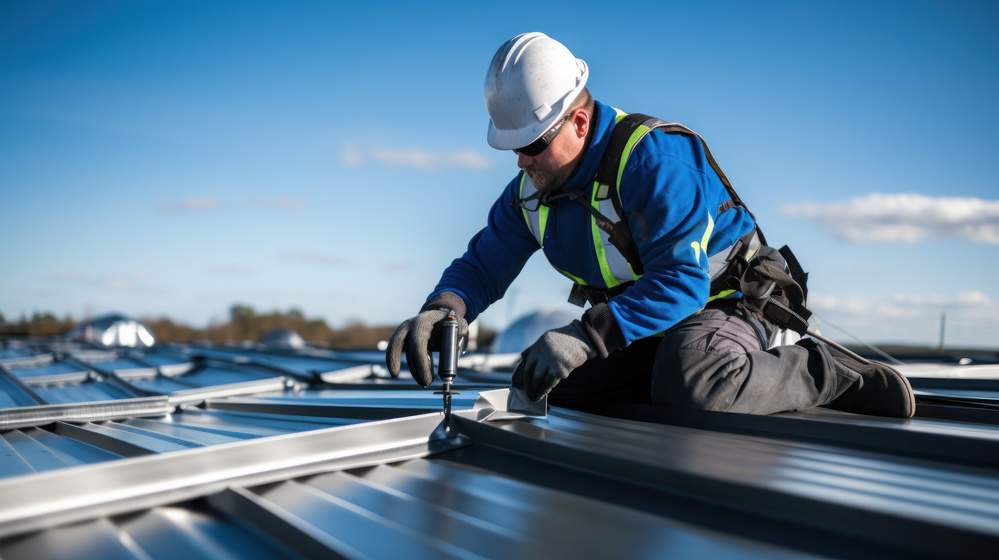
416, 509
13, 394
813, 483
206, 374
571, 486
50, 368
162, 532
87, 389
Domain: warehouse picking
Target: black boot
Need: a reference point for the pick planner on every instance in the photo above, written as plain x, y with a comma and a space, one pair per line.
881, 391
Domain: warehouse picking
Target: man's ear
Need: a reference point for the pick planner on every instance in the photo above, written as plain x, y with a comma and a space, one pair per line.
581, 123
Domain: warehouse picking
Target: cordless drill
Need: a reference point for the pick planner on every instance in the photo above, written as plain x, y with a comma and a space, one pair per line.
447, 366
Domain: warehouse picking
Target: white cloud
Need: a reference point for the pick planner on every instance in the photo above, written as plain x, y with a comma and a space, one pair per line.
192, 204
420, 158
909, 318
972, 304
905, 218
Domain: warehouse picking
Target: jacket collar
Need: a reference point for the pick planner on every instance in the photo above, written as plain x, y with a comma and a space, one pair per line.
602, 126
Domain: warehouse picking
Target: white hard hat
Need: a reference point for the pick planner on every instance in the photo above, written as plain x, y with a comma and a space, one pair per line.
531, 82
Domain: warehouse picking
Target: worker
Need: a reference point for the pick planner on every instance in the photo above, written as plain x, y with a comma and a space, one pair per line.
686, 300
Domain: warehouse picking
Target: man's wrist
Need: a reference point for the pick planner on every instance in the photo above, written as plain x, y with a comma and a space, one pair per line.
447, 300
602, 329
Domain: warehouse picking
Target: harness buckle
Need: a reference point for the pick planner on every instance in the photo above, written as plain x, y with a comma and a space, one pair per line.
577, 295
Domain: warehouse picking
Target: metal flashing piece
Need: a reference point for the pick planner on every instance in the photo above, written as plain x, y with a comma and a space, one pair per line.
508, 404
54, 498
83, 412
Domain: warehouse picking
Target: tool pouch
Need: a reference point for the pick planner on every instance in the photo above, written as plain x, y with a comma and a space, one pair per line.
771, 290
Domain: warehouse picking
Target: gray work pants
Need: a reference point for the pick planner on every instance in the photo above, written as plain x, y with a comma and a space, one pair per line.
715, 360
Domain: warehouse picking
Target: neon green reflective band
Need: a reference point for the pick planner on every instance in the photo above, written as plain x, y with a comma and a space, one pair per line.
702, 245
637, 135
572, 277
527, 218
619, 115
721, 294
598, 244
542, 213
543, 223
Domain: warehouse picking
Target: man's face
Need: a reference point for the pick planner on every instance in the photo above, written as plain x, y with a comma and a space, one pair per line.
552, 167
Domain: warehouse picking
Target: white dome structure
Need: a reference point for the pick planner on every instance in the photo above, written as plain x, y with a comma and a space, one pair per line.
526, 329
113, 329
284, 339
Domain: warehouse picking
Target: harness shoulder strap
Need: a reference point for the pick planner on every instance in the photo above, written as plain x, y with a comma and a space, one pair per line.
611, 165
611, 161
628, 131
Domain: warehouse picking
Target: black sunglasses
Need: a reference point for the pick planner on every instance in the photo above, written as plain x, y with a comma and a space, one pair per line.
538, 147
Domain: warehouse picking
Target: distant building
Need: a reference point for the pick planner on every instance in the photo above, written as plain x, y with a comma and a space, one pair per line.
113, 329
285, 339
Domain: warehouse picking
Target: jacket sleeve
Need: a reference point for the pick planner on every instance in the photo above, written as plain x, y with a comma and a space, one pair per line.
494, 258
664, 199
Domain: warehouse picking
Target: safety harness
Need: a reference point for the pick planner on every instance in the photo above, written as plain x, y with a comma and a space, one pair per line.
771, 281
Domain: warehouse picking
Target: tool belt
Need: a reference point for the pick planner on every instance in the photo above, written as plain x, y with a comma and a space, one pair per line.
774, 287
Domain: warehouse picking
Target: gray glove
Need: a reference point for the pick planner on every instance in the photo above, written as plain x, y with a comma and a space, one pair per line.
551, 359
418, 336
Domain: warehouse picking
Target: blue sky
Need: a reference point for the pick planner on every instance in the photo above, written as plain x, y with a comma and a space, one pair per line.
172, 158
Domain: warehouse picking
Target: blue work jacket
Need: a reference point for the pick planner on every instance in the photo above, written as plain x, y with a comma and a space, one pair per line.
668, 191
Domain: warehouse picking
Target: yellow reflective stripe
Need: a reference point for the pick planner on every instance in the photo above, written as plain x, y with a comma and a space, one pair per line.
543, 223
719, 295
572, 277
703, 245
637, 135
610, 279
598, 244
542, 215
618, 264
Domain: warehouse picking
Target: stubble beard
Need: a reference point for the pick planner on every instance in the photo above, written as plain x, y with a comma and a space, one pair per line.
543, 180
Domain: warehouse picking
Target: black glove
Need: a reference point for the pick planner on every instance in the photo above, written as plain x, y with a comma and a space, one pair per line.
419, 335
552, 358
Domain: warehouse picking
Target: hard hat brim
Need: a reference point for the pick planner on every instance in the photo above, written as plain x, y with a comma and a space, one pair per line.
511, 139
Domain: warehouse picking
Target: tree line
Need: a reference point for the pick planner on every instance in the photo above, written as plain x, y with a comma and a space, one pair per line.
244, 324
